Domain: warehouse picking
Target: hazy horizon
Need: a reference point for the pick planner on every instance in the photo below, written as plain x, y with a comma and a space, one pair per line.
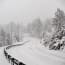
27, 10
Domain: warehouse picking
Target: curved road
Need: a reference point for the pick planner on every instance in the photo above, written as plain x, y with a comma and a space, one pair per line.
31, 53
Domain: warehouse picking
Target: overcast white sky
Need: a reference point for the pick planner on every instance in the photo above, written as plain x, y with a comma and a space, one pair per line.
27, 10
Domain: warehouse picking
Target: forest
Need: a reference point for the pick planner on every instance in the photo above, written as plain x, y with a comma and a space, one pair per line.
48, 30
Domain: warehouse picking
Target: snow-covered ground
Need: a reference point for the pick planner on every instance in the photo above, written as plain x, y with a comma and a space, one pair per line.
3, 60
32, 53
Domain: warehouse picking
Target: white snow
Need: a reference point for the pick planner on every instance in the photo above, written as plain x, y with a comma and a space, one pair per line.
32, 53
3, 60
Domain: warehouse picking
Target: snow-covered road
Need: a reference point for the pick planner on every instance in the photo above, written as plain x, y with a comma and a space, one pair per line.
32, 53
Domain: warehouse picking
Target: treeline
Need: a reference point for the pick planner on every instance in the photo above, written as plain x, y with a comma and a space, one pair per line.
35, 28
11, 33
39, 28
47, 29
52, 30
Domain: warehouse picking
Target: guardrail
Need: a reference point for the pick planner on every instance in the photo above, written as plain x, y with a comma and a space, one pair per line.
10, 58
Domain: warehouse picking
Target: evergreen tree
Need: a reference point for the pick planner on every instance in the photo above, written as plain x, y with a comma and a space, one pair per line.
59, 19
